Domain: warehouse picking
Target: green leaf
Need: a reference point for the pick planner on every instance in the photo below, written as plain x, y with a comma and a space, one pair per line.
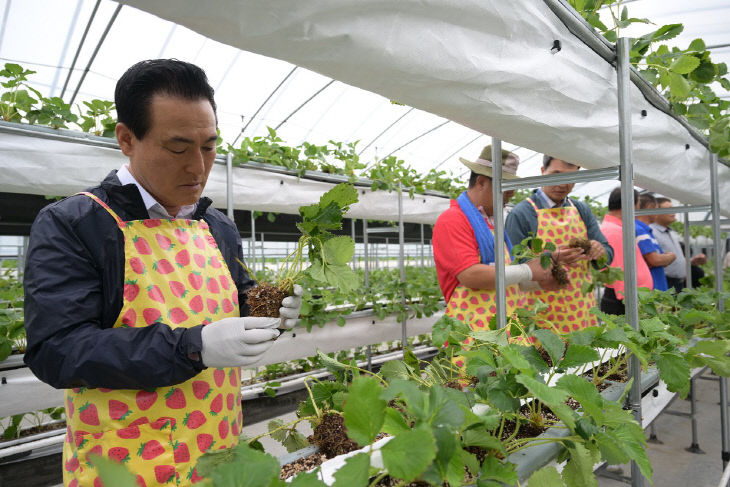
493, 469
611, 449
679, 86
342, 195
331, 364
354, 473
394, 423
697, 45
577, 355
551, 343
552, 396
632, 439
112, 473
684, 64
481, 438
585, 393
408, 455
250, 468
578, 472
395, 369
512, 354
338, 250
705, 72
674, 371
546, 477
364, 410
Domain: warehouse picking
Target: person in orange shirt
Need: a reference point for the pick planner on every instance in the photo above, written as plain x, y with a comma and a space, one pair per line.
613, 297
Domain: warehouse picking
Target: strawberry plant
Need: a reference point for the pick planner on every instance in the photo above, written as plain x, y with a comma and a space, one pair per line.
19, 100
329, 255
12, 331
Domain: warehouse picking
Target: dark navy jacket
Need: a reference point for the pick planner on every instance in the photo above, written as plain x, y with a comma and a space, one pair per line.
74, 280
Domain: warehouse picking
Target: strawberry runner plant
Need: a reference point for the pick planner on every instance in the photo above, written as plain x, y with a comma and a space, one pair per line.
328, 254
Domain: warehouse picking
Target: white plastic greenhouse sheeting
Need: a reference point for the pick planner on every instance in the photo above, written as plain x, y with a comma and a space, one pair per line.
486, 64
46, 166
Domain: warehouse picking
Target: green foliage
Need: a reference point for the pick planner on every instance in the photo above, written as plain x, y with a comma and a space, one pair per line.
112, 473
329, 255
364, 410
12, 330
684, 75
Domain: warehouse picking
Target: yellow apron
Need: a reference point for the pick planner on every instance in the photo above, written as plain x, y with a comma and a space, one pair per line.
568, 309
476, 307
173, 272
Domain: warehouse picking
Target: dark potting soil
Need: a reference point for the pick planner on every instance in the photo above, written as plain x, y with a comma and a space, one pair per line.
560, 275
580, 243
265, 300
302, 465
545, 356
331, 436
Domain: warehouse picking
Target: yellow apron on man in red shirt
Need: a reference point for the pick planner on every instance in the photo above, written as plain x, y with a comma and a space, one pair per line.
173, 272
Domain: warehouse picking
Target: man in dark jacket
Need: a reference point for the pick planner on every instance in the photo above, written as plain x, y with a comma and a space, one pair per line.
134, 297
549, 214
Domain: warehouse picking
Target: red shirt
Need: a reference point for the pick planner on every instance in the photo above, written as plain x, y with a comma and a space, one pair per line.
611, 229
455, 247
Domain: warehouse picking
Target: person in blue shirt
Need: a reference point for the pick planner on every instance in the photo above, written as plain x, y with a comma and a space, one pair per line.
650, 249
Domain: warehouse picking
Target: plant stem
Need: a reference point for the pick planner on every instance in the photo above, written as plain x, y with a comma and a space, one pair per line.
378, 479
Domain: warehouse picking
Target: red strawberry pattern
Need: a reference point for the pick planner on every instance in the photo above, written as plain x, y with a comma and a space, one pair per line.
160, 434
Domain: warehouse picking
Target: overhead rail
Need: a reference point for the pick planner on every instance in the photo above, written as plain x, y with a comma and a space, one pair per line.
589, 175
385, 130
416, 138
673, 209
304, 104
264, 104
81, 44
96, 51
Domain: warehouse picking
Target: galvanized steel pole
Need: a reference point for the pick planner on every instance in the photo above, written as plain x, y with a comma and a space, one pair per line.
366, 251
402, 267
498, 215
687, 252
229, 184
720, 302
631, 296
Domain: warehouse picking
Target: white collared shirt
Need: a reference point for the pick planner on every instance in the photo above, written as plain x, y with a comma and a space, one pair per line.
154, 208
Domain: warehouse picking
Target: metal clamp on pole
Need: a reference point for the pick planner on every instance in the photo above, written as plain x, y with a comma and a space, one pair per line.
587, 176
631, 294
498, 213
673, 209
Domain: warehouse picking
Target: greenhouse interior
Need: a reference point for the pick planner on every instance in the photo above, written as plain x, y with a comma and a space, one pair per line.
253, 243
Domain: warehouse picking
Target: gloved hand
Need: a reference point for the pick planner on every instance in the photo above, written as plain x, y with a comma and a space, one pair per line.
290, 308
235, 342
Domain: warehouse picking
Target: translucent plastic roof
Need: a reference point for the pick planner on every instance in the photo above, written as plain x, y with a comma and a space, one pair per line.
45, 35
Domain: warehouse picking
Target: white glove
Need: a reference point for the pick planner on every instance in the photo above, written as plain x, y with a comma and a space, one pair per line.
235, 342
290, 308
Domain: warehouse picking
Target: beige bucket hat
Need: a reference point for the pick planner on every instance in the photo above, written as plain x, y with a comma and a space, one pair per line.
483, 165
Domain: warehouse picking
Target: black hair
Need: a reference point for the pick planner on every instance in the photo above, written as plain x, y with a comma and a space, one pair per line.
661, 200
546, 160
137, 86
614, 199
647, 200
473, 179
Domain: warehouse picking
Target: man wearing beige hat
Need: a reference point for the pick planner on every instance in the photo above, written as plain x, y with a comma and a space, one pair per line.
550, 215
463, 247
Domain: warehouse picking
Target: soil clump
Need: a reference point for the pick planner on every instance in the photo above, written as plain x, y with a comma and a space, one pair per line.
265, 300
331, 436
580, 243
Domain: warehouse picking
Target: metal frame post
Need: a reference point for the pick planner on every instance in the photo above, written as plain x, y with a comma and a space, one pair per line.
402, 267
423, 249
263, 254
694, 447
720, 302
229, 184
498, 214
631, 295
365, 252
252, 246
354, 255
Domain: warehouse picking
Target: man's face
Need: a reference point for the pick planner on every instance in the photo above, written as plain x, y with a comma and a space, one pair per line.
174, 158
560, 192
484, 195
648, 219
667, 219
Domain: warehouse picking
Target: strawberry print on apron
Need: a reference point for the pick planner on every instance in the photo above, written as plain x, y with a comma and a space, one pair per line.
476, 307
174, 273
568, 309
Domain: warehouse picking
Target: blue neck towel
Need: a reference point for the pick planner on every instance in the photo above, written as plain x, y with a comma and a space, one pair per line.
484, 236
